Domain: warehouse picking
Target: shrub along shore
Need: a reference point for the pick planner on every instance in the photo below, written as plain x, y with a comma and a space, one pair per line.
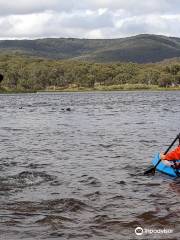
123, 87
31, 74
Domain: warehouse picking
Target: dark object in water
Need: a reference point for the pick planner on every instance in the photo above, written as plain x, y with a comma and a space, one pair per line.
1, 77
66, 109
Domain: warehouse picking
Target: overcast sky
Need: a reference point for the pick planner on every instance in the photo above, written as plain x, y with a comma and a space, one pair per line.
88, 18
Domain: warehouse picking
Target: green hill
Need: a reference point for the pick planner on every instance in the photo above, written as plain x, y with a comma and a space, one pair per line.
142, 48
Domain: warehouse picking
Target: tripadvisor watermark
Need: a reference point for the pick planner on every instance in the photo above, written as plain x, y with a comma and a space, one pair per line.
140, 231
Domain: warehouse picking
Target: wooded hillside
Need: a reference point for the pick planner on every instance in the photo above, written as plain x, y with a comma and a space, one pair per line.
142, 48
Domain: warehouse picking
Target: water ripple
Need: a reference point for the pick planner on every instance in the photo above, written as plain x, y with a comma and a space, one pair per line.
71, 165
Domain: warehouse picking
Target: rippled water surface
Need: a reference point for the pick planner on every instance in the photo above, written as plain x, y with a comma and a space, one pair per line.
79, 174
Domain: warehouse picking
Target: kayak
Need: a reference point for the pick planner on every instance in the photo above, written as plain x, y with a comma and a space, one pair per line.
161, 167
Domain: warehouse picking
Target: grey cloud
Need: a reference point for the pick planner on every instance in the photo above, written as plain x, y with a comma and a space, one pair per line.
78, 24
55, 26
86, 21
33, 6
88, 18
10, 7
132, 27
6, 28
165, 25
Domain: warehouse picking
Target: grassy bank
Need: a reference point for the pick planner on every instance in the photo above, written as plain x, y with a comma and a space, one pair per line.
5, 90
120, 87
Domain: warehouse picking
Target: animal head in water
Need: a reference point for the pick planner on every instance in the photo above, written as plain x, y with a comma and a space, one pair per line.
1, 77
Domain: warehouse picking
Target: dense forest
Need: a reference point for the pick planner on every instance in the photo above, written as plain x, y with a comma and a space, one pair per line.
24, 73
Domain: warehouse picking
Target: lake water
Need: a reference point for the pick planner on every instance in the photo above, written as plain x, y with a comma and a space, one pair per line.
79, 174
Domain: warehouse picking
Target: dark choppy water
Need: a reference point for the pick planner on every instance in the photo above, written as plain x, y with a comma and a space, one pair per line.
78, 174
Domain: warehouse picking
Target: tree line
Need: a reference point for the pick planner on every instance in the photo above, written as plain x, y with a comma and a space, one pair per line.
31, 73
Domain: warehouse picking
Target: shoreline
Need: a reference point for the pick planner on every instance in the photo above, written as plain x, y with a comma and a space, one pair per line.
123, 88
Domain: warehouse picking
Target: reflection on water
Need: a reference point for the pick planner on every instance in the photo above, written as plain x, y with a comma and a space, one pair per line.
79, 174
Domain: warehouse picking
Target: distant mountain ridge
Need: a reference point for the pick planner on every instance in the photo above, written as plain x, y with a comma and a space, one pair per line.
143, 48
